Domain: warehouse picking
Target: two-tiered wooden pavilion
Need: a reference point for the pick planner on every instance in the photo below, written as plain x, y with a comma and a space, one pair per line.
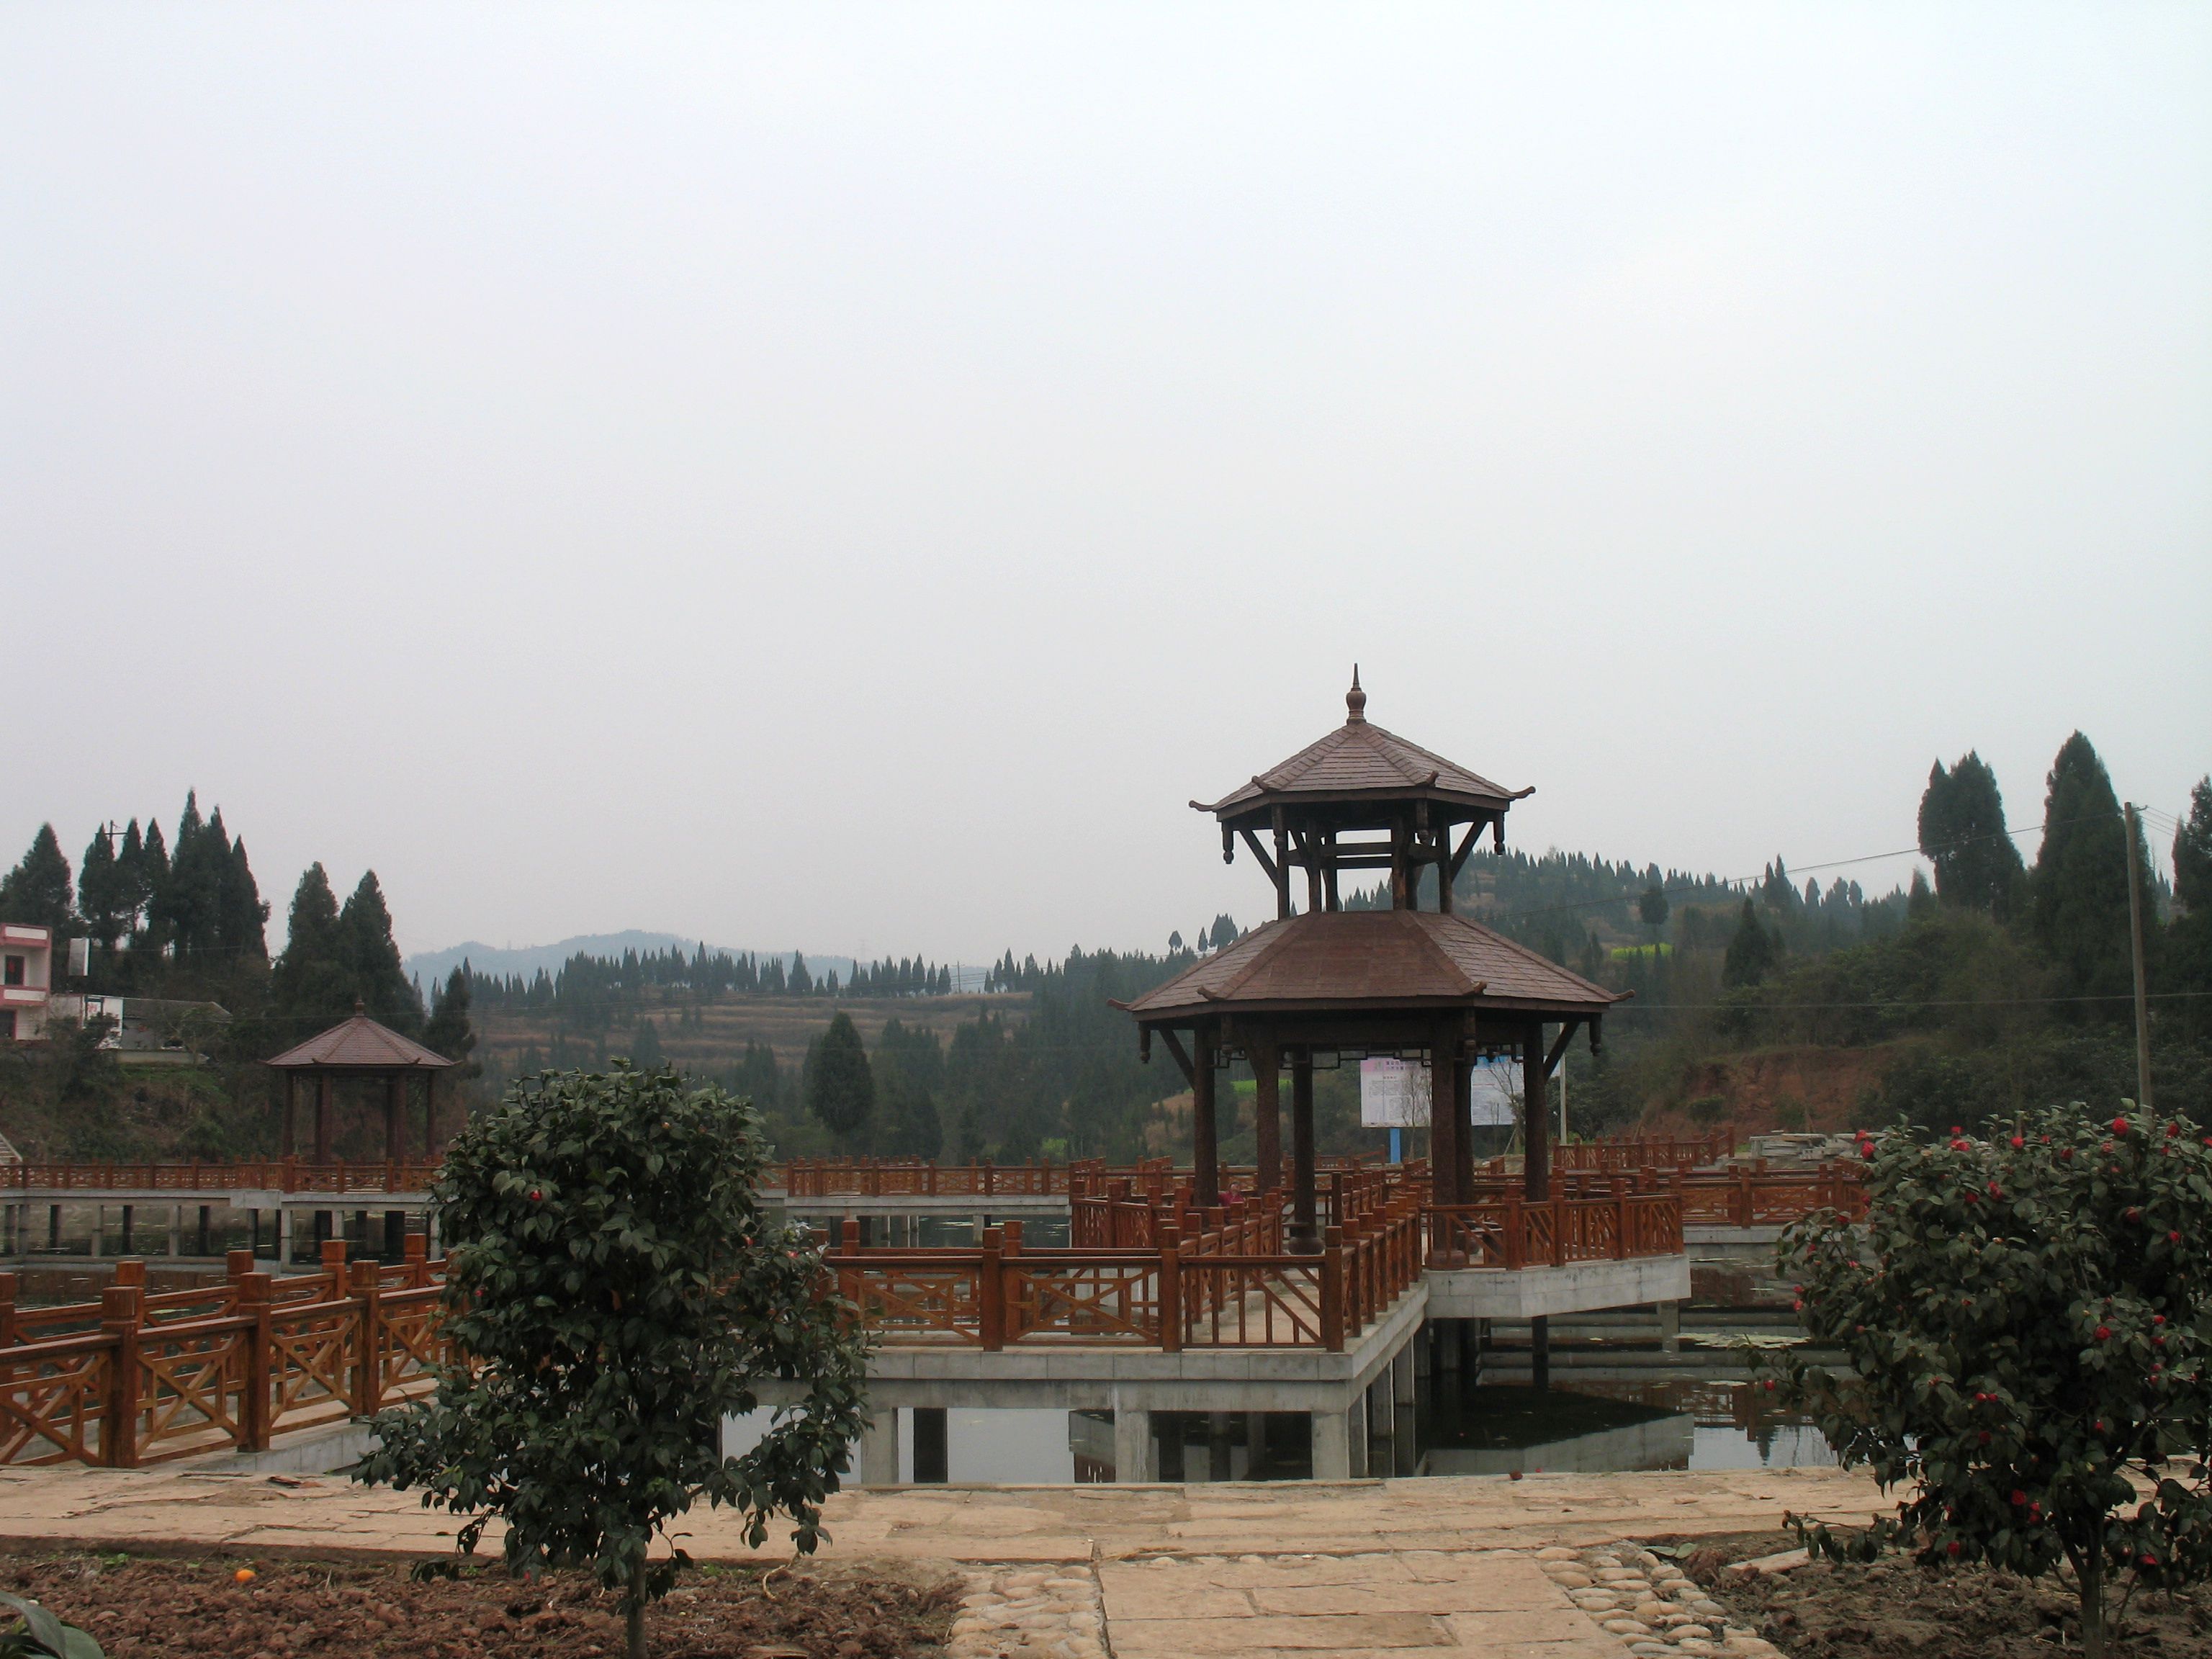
1329, 985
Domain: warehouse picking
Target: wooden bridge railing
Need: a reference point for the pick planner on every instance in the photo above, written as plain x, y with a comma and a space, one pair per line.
137, 1378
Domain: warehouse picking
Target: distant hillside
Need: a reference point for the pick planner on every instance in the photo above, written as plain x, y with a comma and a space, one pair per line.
433, 966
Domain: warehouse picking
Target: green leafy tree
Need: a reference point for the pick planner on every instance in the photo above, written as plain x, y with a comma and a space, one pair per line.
36, 892
618, 1290
840, 1090
2026, 1320
1751, 952
2080, 886
1962, 833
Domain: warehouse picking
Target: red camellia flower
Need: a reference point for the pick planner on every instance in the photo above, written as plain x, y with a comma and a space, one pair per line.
536, 1197
2135, 1212
2119, 1126
2174, 1238
1958, 1145
2017, 1143
1996, 1191
1952, 1547
1969, 1197
2104, 1332
2066, 1152
2019, 1498
1868, 1152
2158, 1319
2171, 1130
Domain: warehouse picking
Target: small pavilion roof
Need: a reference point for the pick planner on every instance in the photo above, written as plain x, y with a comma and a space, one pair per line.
360, 1044
1374, 960
1361, 762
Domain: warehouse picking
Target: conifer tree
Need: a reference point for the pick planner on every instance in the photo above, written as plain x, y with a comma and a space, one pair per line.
799, 980
1751, 951
102, 886
2080, 884
1920, 902
645, 1051
310, 987
840, 1088
1962, 833
2189, 946
36, 892
448, 1031
242, 913
154, 884
130, 877
371, 957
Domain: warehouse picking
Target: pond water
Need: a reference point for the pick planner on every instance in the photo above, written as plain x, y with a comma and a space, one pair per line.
1684, 1423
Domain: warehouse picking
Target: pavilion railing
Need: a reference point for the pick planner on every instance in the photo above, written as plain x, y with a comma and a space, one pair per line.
138, 1378
279, 1175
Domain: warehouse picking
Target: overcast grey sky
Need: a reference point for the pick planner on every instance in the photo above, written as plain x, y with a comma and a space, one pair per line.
847, 477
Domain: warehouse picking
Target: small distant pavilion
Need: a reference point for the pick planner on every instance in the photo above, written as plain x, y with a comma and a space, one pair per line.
1326, 985
362, 1050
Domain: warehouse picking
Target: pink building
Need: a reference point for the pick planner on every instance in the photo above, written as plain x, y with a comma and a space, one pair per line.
27, 977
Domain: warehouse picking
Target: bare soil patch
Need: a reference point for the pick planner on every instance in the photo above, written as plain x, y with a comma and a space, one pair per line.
151, 1608
1894, 1607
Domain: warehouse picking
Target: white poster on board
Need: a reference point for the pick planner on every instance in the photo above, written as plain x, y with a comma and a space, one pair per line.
1394, 1094
1497, 1093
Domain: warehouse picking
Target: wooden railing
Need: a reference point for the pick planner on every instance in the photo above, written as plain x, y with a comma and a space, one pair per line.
137, 1378
1513, 1232
284, 1174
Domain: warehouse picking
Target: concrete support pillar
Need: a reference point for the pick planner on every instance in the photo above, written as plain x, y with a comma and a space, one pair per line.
202, 1244
283, 1240
430, 1234
879, 1450
1331, 1445
98, 1227
176, 1231
1670, 1328
53, 1226
1359, 1431
1220, 1456
1405, 1448
1539, 1352
1133, 1445
130, 1228
1255, 1443
932, 1459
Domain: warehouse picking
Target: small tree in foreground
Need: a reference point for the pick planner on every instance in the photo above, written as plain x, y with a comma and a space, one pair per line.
2026, 1319
613, 1291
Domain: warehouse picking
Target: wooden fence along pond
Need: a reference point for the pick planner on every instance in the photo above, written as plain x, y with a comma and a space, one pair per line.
139, 1378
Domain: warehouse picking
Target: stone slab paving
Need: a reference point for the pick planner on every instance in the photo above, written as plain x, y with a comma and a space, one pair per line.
1360, 1570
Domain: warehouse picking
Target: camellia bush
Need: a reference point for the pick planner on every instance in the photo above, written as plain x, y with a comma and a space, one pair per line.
613, 1290
2026, 1317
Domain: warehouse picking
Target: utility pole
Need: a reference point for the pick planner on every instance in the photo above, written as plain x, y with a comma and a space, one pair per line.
2136, 945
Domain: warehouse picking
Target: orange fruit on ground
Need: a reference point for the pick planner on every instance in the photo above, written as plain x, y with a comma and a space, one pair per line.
243, 1575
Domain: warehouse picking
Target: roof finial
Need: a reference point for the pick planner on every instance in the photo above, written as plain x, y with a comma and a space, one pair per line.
1355, 701
360, 1007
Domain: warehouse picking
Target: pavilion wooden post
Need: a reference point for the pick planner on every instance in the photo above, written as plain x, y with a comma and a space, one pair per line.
395, 1108
322, 1117
1205, 1162
1266, 1109
291, 1104
429, 1115
1305, 1230
1447, 1127
1463, 1176
1536, 1179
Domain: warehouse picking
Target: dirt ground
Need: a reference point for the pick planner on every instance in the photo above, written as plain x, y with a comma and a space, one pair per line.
1894, 1607
153, 1608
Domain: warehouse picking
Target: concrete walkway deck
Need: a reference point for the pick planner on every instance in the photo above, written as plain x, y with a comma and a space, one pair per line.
1361, 1568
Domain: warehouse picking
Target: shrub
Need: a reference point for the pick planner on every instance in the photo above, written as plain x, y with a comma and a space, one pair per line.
613, 1291
2027, 1318
39, 1635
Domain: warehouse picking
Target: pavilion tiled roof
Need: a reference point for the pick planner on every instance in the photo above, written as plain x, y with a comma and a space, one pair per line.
1374, 958
360, 1044
1359, 760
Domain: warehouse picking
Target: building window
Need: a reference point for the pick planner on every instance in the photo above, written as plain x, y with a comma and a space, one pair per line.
14, 971
7, 1025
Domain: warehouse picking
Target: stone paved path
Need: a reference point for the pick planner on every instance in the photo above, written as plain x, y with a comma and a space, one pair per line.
1360, 1570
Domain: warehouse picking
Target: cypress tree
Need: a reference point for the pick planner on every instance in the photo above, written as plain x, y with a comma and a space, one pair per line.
36, 892
310, 986
101, 890
191, 898
242, 913
448, 1031
798, 980
153, 885
1751, 951
645, 1050
2188, 946
1920, 902
1962, 833
840, 1088
371, 958
2080, 886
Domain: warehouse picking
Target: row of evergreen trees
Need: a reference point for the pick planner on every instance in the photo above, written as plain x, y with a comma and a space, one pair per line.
181, 916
